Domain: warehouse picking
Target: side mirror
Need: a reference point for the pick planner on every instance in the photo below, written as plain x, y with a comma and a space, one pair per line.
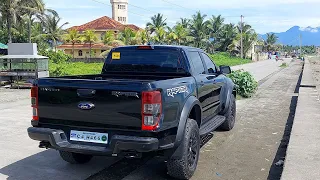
225, 69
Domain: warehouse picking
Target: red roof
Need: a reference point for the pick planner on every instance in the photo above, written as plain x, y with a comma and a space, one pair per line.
83, 46
133, 27
104, 23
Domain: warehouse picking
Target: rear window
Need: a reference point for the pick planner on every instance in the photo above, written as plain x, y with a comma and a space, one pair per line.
156, 60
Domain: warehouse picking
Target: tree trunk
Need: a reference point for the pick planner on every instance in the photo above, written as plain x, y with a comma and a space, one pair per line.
73, 50
90, 52
29, 28
9, 28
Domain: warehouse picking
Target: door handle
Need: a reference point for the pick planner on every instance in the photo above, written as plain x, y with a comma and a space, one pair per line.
86, 92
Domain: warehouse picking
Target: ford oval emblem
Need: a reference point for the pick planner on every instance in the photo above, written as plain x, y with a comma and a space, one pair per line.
86, 105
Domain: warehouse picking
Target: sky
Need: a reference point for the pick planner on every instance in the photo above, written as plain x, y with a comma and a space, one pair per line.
263, 15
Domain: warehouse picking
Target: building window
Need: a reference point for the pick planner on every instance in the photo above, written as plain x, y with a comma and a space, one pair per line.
119, 6
118, 18
80, 52
124, 19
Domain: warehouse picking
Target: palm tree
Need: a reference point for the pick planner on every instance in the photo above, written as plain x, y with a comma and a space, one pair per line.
160, 35
157, 21
182, 34
89, 37
226, 37
73, 36
14, 10
171, 36
142, 37
52, 31
271, 40
184, 22
215, 24
128, 36
198, 29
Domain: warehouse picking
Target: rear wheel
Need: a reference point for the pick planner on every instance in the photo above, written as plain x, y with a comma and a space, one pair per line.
230, 115
75, 158
185, 167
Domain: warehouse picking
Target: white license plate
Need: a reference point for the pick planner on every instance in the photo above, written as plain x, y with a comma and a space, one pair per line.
85, 136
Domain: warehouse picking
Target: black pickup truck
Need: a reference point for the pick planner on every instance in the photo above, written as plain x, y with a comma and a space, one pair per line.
146, 99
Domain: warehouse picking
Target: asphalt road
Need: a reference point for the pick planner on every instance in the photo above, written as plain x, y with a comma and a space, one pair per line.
247, 152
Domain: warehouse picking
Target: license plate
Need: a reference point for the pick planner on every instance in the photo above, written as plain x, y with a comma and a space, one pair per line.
85, 136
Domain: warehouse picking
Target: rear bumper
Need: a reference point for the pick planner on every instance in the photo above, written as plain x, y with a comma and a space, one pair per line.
117, 143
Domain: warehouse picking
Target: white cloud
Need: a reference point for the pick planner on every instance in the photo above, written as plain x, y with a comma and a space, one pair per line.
310, 29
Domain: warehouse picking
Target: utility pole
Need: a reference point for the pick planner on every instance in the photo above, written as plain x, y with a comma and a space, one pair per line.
300, 39
241, 29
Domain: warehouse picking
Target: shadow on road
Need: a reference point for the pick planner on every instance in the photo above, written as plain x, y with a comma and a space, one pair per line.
276, 171
48, 165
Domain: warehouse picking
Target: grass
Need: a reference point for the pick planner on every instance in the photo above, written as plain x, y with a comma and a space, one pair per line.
227, 60
283, 65
78, 68
81, 68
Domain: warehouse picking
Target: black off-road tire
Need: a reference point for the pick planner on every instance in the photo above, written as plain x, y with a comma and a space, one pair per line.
75, 158
230, 115
185, 167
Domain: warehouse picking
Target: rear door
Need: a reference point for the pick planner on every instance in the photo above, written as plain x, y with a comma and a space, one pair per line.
204, 84
216, 79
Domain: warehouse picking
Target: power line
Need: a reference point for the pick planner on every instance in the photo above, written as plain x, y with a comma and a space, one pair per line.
111, 6
177, 5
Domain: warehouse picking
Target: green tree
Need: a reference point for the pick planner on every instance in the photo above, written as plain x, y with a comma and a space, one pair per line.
89, 37
142, 37
157, 21
181, 33
199, 30
72, 37
53, 32
128, 36
14, 10
271, 41
215, 25
160, 35
226, 37
184, 22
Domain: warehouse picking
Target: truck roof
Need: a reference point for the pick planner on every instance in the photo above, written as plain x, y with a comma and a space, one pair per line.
162, 47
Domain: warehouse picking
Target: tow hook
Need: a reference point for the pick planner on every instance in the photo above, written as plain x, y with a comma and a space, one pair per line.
44, 144
133, 155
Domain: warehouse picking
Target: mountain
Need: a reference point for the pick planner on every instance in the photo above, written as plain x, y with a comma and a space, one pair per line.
310, 36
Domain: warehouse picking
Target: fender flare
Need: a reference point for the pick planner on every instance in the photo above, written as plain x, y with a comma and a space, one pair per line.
229, 88
189, 104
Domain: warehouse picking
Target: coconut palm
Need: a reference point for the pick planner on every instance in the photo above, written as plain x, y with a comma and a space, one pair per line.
171, 36
14, 10
226, 37
128, 36
160, 35
53, 32
215, 25
157, 21
142, 37
89, 37
182, 34
72, 37
199, 30
184, 22
271, 40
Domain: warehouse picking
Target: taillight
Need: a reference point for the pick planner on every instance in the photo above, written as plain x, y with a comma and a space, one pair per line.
34, 103
151, 110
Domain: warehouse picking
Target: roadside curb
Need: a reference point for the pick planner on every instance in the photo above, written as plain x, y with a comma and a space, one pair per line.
303, 152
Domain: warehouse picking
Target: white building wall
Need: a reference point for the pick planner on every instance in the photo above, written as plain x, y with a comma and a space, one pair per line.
120, 10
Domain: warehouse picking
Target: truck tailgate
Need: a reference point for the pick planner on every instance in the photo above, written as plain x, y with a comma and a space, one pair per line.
93, 103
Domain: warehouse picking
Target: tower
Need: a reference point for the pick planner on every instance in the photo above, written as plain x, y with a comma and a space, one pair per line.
120, 10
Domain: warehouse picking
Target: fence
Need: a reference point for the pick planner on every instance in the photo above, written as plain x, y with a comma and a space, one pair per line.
88, 60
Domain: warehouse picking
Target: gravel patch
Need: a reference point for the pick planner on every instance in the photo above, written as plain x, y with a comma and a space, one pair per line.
13, 95
315, 66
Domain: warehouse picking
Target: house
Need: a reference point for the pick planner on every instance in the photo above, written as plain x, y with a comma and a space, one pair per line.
100, 26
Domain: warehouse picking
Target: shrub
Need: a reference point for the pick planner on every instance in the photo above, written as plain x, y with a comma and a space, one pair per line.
246, 84
56, 57
223, 58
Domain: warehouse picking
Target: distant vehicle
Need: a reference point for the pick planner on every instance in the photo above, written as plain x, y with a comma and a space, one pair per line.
147, 98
